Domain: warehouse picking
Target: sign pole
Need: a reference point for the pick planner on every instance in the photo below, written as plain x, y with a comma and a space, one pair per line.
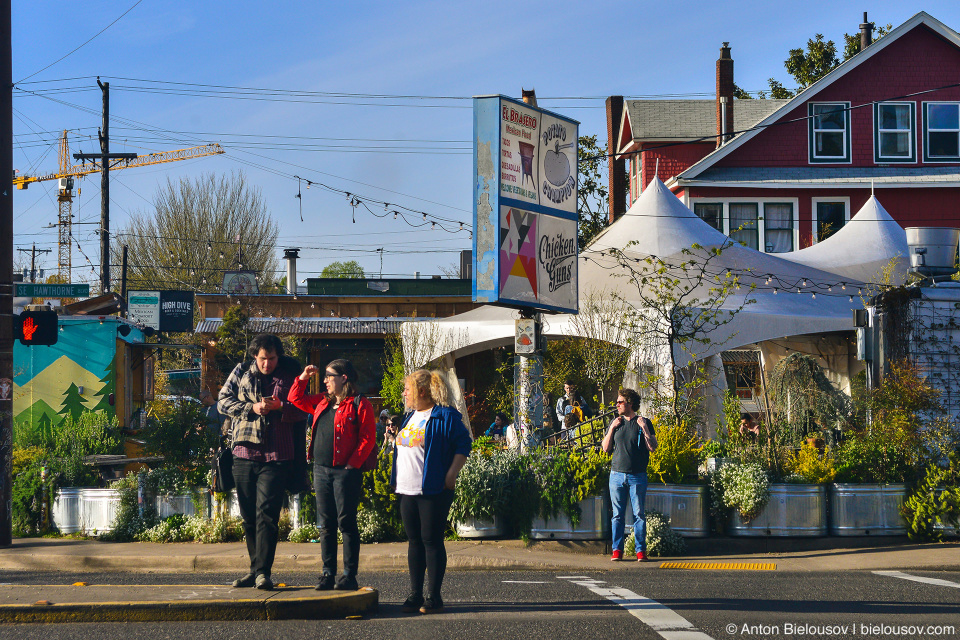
6, 275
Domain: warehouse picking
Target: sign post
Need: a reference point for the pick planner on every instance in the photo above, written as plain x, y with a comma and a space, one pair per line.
525, 227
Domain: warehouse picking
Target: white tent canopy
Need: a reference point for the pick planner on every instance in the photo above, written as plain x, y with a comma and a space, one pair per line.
803, 292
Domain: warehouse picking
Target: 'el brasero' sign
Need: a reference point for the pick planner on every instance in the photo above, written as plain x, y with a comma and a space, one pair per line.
525, 206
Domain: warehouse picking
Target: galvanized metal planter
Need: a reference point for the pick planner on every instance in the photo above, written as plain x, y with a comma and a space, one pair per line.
98, 509
481, 528
794, 510
867, 509
66, 510
170, 505
687, 506
594, 523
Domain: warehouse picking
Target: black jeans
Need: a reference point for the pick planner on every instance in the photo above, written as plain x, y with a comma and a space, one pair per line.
425, 522
260, 491
338, 496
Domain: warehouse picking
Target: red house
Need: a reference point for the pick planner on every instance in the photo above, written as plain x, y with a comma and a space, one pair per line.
779, 175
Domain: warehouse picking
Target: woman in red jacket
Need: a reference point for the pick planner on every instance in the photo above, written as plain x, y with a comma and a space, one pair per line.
343, 435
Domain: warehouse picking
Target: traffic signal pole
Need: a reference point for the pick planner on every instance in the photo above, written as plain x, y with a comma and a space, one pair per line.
6, 274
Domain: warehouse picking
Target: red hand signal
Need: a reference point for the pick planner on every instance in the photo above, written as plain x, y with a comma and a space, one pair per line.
29, 328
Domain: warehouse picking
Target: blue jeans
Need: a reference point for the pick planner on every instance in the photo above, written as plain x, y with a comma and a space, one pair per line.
634, 484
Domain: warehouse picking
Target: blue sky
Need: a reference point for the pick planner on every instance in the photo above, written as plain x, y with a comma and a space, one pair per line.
411, 151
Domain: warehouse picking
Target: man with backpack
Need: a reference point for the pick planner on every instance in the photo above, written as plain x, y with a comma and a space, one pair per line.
572, 404
342, 443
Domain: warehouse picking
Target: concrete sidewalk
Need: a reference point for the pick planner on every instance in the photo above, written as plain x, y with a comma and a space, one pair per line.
146, 602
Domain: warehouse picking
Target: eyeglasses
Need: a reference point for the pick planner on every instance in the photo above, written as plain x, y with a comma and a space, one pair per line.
621, 402
327, 374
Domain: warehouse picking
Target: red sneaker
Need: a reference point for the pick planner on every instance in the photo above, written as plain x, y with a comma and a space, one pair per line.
617, 555
641, 556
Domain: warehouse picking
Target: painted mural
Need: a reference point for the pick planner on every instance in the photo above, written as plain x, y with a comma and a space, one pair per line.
51, 383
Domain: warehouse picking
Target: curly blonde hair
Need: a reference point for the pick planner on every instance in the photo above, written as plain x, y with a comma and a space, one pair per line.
430, 384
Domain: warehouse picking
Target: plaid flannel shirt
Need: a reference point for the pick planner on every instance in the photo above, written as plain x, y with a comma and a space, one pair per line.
236, 399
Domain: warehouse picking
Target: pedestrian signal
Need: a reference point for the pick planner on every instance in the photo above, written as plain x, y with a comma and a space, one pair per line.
37, 327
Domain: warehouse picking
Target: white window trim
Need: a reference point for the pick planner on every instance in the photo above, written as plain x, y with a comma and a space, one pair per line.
761, 228
813, 208
877, 158
926, 145
847, 136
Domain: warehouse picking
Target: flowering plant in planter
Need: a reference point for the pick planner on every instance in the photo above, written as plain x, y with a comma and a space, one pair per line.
745, 487
678, 453
810, 465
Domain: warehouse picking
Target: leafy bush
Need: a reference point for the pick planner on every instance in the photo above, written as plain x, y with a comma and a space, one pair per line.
677, 456
374, 527
28, 491
591, 473
811, 466
556, 482
482, 488
936, 501
746, 488
181, 528
662, 540
178, 432
305, 533
90, 433
379, 498
863, 457
284, 525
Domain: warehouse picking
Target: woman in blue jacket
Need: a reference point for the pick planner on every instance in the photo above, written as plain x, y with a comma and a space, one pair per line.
431, 448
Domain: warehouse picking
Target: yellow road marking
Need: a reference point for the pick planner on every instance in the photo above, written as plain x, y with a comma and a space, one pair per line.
721, 566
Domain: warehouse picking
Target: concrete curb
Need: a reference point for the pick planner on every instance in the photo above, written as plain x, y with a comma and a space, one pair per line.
312, 608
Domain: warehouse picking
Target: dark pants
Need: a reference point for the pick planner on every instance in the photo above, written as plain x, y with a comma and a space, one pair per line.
425, 522
260, 493
338, 496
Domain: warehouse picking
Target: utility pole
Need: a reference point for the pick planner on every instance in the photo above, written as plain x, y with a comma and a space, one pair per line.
6, 275
123, 282
33, 260
105, 157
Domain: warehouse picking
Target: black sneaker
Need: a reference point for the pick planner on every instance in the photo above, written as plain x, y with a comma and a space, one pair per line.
432, 605
346, 583
246, 581
264, 583
326, 582
412, 604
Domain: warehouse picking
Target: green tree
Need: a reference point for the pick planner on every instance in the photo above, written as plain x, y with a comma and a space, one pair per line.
73, 405
196, 230
232, 338
592, 203
393, 374
347, 269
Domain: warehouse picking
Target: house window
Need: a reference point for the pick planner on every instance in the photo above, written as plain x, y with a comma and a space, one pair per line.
894, 136
941, 125
711, 213
777, 227
743, 224
829, 127
634, 192
831, 216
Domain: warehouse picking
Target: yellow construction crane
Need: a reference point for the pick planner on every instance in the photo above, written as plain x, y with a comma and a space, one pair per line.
67, 173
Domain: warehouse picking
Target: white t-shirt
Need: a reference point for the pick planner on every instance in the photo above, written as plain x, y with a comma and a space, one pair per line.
410, 454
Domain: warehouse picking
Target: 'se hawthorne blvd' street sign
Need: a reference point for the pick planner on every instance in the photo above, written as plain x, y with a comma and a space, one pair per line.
35, 290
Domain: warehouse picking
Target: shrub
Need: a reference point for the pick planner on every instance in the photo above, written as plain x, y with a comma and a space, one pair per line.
936, 501
677, 456
746, 488
374, 527
811, 466
863, 457
591, 473
284, 525
305, 533
379, 498
662, 540
28, 491
556, 483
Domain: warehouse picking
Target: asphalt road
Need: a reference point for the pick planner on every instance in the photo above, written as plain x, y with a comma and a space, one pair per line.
625, 602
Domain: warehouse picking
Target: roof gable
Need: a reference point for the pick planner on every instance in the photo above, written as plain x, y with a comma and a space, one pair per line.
920, 19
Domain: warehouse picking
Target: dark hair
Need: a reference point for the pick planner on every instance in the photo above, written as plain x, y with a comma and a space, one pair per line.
571, 382
746, 416
502, 416
630, 396
396, 421
345, 368
265, 342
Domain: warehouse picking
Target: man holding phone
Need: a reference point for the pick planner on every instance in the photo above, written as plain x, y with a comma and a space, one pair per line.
265, 437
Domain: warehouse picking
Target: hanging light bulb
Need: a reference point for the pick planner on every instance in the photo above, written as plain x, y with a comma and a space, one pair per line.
209, 246
774, 291
769, 280
313, 306
424, 216
349, 197
851, 298
829, 289
204, 281
798, 290
843, 285
386, 205
221, 255
433, 225
814, 295
394, 215
804, 283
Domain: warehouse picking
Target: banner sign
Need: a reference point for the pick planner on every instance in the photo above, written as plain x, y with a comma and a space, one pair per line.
525, 206
170, 311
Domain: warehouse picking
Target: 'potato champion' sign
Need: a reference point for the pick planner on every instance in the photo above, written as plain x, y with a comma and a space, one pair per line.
525, 206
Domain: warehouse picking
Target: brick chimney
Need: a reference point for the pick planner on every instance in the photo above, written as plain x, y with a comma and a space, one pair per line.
724, 95
616, 169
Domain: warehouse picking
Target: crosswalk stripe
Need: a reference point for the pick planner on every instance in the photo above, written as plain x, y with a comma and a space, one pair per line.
907, 576
666, 622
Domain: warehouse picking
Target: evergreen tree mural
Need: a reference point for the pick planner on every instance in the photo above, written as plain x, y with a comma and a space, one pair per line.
109, 381
73, 403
